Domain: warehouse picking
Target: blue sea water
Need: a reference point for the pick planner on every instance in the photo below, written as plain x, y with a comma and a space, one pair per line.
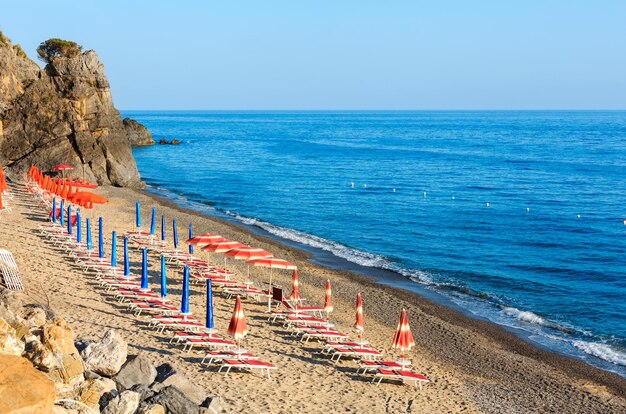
517, 217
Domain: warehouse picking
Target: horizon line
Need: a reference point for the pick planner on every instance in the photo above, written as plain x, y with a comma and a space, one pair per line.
381, 110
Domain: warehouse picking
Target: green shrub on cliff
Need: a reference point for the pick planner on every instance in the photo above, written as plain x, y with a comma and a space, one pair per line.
52, 48
3, 39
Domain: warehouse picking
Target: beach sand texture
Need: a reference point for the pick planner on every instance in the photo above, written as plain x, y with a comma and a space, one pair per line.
474, 366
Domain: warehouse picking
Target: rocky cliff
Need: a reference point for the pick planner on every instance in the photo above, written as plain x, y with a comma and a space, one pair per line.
62, 114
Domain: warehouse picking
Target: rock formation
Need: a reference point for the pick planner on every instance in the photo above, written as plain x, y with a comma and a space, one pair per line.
138, 135
62, 114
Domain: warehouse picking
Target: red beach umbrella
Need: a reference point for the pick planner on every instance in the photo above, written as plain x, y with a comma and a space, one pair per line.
63, 167
359, 324
295, 294
205, 239
238, 327
223, 246
248, 253
403, 338
272, 263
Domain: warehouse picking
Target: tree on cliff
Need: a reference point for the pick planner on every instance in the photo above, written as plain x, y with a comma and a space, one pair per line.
52, 48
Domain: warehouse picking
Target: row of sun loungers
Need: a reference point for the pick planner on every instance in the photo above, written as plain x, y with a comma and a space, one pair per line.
303, 322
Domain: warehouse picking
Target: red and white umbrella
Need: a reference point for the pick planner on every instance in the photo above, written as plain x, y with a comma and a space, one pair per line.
248, 253
238, 327
359, 324
223, 246
328, 303
271, 263
295, 293
206, 238
63, 168
403, 338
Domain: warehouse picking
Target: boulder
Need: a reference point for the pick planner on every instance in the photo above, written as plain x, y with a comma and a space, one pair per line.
34, 316
9, 341
162, 141
212, 405
58, 338
137, 370
126, 403
165, 370
143, 391
174, 401
174, 142
138, 135
151, 409
183, 384
24, 389
91, 391
106, 356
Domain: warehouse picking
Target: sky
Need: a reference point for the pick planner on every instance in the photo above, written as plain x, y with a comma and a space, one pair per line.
342, 54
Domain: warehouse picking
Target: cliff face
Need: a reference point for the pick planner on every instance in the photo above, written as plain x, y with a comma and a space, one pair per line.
62, 114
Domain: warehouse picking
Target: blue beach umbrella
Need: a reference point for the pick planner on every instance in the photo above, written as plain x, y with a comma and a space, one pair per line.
113, 248
100, 239
184, 303
144, 269
54, 210
153, 221
191, 237
137, 214
61, 219
209, 304
69, 219
79, 228
163, 278
89, 245
175, 233
126, 261
162, 227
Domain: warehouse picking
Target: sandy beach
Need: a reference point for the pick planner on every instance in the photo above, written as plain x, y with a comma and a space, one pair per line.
474, 366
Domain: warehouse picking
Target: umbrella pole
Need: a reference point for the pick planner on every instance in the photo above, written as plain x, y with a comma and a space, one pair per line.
269, 297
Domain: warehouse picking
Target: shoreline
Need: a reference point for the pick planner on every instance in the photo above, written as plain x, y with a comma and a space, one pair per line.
453, 314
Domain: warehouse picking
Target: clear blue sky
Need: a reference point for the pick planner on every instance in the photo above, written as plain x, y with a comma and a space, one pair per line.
340, 54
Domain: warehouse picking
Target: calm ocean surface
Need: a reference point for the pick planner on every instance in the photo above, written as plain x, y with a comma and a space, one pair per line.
517, 217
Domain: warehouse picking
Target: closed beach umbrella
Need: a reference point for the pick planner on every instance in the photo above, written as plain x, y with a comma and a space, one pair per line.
113, 248
163, 278
209, 304
163, 227
144, 269
78, 227
295, 293
403, 338
54, 209
89, 244
126, 261
272, 263
238, 327
69, 219
153, 221
190, 238
100, 239
137, 215
62, 212
359, 324
184, 303
204, 239
175, 234
328, 303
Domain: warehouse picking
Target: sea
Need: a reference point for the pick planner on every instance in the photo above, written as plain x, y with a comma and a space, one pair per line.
517, 217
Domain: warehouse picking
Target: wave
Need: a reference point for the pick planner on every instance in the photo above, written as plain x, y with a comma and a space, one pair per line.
602, 351
524, 316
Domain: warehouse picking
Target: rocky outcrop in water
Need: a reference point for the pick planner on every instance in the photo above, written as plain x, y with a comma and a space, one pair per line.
138, 135
62, 114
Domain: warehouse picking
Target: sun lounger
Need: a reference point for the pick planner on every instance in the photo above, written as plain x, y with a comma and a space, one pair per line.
215, 356
9, 271
406, 376
162, 308
211, 342
375, 365
358, 352
250, 364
